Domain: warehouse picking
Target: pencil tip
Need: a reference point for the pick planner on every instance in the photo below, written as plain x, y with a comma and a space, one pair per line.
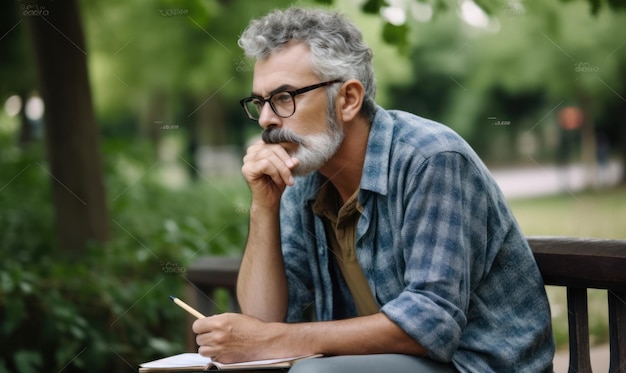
172, 297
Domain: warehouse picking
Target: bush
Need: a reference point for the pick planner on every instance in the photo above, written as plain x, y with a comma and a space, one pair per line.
109, 310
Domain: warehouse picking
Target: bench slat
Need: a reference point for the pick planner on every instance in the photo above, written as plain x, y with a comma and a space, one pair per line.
215, 271
578, 322
617, 330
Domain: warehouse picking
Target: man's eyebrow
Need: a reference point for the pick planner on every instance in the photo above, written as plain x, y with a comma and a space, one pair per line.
282, 88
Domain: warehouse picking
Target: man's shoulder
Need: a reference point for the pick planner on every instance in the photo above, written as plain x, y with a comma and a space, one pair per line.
425, 136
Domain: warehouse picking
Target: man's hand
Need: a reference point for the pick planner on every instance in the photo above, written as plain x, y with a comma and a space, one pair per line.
267, 170
232, 337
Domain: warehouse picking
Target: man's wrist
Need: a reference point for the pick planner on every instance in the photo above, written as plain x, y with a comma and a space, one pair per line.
264, 210
295, 339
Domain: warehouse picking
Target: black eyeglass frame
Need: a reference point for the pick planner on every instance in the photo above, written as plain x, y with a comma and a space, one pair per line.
292, 93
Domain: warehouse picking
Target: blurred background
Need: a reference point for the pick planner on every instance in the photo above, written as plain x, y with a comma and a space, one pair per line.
121, 139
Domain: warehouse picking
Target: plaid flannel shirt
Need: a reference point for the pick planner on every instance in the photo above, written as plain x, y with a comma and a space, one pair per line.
442, 253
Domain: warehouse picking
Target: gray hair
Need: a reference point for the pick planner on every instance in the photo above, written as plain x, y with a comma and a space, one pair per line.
337, 47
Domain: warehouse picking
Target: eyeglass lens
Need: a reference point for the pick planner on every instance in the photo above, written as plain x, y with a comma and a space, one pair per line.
282, 104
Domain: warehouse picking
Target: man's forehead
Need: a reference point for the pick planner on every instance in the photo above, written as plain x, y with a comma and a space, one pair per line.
287, 67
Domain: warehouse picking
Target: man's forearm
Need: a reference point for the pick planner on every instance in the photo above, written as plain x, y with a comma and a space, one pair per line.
373, 334
262, 285
232, 337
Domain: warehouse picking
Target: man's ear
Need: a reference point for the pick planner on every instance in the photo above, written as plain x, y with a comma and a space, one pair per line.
351, 96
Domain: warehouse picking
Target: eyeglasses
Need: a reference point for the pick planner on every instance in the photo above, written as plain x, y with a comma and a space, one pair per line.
282, 103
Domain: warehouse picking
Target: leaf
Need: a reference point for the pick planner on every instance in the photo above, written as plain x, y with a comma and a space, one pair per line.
395, 35
595, 6
373, 6
27, 361
161, 345
15, 313
6, 282
617, 4
3, 367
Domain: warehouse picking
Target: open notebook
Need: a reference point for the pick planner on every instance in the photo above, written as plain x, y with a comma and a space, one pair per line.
194, 361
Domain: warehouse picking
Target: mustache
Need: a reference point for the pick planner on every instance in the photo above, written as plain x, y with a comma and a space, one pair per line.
275, 135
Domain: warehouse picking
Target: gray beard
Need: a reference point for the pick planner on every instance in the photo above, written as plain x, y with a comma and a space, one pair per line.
313, 151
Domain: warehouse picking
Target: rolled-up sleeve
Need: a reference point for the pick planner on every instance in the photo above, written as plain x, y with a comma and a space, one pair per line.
443, 230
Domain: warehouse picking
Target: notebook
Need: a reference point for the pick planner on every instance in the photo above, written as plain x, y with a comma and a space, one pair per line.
194, 362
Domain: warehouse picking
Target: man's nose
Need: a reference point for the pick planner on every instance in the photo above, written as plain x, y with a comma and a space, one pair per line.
267, 117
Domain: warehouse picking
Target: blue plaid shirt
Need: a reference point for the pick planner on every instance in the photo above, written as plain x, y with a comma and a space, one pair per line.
442, 253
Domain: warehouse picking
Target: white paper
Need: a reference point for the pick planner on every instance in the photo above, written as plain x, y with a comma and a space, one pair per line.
179, 361
196, 360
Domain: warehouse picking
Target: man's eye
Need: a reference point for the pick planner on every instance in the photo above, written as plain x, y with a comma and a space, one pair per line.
258, 103
282, 98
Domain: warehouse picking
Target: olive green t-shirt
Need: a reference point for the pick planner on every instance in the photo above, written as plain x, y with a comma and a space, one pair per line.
340, 223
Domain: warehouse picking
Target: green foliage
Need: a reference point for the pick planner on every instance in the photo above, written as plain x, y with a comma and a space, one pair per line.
397, 35
14, 71
489, 6
110, 310
503, 85
373, 6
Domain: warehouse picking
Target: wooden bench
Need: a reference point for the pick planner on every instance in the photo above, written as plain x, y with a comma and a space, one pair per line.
575, 263
580, 264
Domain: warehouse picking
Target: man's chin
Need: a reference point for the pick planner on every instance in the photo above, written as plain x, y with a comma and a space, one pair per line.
306, 166
300, 170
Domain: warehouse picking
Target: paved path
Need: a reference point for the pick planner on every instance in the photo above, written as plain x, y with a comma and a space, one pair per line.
549, 179
599, 359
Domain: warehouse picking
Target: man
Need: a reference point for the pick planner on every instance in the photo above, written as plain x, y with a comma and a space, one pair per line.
384, 224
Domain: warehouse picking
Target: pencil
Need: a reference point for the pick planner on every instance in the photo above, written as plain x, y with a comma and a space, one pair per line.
187, 307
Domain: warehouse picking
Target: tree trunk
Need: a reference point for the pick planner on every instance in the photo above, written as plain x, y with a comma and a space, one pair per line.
622, 143
157, 119
588, 140
620, 117
26, 132
72, 138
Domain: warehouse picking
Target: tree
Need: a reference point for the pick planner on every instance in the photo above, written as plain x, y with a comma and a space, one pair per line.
169, 65
72, 137
15, 72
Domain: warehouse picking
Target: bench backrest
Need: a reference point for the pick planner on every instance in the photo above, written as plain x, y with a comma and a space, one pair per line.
579, 264
575, 263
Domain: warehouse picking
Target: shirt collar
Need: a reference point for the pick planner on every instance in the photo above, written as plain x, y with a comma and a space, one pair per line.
376, 165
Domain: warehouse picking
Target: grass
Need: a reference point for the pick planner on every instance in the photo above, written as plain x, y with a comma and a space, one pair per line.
593, 214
